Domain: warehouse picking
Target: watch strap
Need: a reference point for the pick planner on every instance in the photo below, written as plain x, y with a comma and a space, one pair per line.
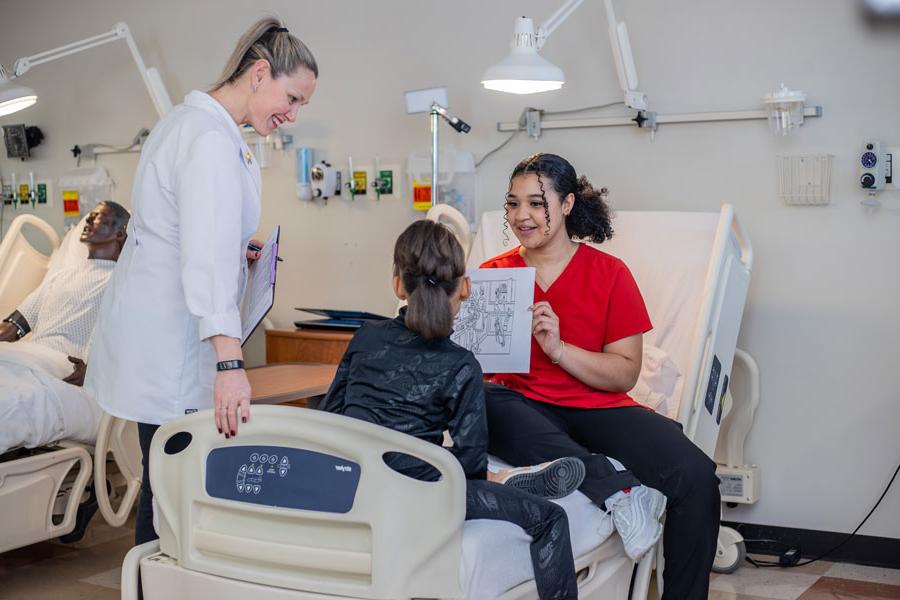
228, 365
18, 320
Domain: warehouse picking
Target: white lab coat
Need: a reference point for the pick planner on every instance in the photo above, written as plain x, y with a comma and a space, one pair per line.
181, 276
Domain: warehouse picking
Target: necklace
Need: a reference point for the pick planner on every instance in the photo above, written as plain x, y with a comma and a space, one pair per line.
542, 282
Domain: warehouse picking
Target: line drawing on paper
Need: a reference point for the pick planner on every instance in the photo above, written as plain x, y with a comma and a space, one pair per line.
485, 321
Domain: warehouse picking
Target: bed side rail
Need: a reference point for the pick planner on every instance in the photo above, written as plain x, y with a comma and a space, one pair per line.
22, 267
119, 438
397, 538
28, 490
725, 293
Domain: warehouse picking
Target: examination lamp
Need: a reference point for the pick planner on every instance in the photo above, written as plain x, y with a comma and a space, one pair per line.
14, 98
524, 71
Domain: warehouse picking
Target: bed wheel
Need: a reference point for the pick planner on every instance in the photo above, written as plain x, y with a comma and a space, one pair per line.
731, 559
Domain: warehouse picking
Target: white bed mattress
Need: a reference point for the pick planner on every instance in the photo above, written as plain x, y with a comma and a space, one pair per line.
36, 406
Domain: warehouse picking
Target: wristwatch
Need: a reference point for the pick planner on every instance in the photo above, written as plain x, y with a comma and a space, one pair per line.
17, 320
228, 365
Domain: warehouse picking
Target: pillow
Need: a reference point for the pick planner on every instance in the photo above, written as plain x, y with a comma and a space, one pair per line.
655, 387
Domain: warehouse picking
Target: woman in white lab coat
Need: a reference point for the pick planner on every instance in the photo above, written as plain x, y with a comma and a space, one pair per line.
168, 341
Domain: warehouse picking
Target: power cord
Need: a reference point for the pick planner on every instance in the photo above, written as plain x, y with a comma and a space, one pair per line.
791, 557
582, 109
500, 147
521, 123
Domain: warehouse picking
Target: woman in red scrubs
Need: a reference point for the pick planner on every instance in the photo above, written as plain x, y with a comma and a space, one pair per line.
587, 324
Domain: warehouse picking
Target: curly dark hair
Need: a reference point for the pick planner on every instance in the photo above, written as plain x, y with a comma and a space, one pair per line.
590, 217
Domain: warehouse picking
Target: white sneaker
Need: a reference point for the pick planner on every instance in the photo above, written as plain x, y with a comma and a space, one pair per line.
550, 480
636, 517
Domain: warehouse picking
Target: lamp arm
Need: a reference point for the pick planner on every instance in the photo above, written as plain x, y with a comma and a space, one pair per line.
151, 77
624, 59
555, 20
618, 40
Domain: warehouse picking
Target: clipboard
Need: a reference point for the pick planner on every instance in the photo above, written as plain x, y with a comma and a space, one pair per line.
337, 319
259, 295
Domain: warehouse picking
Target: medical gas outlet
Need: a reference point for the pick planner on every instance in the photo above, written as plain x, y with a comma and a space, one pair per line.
384, 183
875, 166
326, 181
24, 194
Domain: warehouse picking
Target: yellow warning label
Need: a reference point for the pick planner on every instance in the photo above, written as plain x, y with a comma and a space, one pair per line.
421, 194
23, 192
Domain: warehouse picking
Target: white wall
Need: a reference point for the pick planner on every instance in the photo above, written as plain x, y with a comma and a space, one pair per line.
822, 318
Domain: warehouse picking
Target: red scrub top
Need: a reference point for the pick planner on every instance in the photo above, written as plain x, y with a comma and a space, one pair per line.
597, 302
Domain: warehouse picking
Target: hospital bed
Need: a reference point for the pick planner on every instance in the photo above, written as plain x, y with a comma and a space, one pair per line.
314, 532
42, 490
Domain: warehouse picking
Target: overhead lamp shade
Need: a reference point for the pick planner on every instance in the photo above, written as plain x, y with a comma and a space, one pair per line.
14, 98
524, 71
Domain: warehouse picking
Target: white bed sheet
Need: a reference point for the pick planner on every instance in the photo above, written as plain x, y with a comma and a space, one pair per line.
36, 406
496, 555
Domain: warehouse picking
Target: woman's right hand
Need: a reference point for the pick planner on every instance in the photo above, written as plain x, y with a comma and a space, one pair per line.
545, 329
231, 392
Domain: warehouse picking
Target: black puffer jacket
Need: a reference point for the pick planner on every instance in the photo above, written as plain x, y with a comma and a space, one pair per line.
392, 377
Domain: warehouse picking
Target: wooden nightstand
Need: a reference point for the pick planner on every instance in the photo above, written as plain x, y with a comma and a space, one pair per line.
289, 383
304, 345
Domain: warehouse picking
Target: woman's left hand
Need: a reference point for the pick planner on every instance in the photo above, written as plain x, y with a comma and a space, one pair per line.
253, 255
545, 328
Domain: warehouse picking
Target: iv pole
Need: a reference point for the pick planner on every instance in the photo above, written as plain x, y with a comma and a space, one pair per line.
456, 123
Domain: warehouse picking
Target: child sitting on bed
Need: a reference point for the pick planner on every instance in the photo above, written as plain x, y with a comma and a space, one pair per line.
406, 374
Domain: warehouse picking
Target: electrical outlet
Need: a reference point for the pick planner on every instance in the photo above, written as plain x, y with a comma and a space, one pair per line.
42, 195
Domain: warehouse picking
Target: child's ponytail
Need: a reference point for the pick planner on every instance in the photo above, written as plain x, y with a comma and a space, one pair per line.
430, 261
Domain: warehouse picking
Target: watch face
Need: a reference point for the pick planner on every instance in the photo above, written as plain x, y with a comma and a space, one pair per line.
868, 160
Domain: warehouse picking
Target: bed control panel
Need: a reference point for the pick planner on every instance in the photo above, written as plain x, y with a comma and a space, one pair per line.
282, 477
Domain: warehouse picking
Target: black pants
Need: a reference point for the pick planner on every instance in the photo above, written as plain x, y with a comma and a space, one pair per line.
525, 432
143, 528
544, 521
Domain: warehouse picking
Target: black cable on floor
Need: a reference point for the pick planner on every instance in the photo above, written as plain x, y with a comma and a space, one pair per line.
763, 563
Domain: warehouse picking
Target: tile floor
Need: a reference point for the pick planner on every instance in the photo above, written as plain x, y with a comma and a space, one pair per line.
90, 570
